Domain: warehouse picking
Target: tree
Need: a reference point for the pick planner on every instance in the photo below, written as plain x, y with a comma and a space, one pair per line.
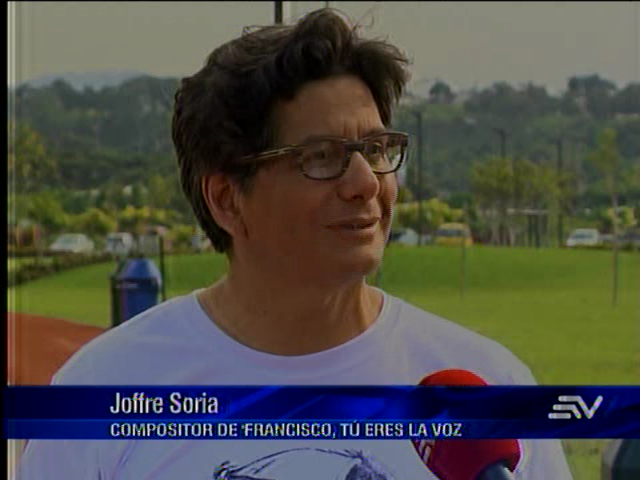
138, 195
436, 212
111, 198
45, 209
627, 100
606, 158
440, 93
94, 222
538, 184
404, 195
158, 190
492, 186
592, 93
29, 164
502, 101
132, 219
630, 184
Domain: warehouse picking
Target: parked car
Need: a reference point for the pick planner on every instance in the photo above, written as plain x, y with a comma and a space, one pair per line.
584, 237
149, 242
404, 236
452, 234
119, 243
72, 243
200, 243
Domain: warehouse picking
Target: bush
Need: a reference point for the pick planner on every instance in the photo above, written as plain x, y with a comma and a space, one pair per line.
435, 212
35, 270
94, 221
22, 252
181, 236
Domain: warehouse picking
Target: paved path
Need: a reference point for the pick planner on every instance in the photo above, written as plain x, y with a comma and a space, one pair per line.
38, 346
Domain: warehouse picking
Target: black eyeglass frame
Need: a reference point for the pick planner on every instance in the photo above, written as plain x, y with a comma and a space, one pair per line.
350, 148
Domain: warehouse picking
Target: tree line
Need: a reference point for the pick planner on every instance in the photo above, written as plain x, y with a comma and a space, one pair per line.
501, 146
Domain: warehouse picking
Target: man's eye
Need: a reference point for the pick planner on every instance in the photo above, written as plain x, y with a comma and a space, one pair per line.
376, 149
319, 153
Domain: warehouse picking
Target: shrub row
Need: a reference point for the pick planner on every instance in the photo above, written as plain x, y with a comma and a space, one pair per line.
36, 269
21, 252
32, 251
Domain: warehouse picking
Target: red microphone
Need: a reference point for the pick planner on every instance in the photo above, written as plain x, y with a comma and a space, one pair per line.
490, 459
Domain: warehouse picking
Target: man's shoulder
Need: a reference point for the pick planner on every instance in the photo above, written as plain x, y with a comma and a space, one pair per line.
127, 351
433, 340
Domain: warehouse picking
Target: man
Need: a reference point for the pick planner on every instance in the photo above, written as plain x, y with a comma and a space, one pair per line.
286, 156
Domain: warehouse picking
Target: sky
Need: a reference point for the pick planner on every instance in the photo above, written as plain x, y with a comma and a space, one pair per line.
466, 44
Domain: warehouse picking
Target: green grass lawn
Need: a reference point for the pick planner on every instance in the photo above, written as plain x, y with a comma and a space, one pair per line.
551, 307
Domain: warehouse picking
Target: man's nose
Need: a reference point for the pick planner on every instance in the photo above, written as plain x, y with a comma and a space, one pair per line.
359, 179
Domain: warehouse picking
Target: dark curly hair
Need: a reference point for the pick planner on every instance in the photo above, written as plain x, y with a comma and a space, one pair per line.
223, 112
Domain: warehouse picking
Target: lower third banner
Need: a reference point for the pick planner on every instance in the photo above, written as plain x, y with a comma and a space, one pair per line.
285, 412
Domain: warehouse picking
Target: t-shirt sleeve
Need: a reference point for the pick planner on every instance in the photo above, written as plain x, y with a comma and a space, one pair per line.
68, 459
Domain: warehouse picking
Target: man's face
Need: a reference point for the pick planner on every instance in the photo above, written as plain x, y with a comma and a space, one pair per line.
320, 230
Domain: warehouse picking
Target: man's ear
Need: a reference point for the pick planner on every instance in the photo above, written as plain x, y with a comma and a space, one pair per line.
222, 197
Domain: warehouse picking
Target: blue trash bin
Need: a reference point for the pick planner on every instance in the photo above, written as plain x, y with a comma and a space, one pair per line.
137, 286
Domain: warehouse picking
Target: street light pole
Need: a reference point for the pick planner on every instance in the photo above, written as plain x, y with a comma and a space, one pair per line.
560, 168
516, 180
503, 140
418, 114
278, 11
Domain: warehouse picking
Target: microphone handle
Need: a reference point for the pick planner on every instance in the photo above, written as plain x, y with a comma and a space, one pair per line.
497, 471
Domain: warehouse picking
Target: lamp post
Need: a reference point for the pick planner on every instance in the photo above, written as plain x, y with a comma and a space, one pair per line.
420, 138
416, 107
282, 10
503, 140
559, 168
502, 133
278, 12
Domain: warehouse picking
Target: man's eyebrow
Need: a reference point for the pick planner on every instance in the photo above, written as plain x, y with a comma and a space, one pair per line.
369, 133
375, 131
314, 137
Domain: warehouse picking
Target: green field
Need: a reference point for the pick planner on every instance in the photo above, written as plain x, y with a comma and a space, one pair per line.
551, 307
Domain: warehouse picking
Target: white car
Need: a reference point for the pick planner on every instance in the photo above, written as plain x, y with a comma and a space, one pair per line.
72, 243
405, 236
119, 243
584, 237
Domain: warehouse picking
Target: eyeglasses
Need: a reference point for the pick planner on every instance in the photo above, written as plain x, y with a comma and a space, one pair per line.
327, 158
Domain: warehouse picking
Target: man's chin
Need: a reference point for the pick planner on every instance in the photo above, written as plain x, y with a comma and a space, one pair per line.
365, 263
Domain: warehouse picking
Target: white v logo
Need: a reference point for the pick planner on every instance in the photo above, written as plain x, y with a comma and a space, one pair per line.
589, 412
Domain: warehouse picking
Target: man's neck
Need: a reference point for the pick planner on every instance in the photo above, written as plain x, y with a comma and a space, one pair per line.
287, 319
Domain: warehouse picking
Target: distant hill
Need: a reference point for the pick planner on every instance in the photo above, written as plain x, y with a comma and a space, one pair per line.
79, 80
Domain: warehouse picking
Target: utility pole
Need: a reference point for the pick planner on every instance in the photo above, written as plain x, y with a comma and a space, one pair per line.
503, 140
418, 114
516, 192
560, 168
278, 12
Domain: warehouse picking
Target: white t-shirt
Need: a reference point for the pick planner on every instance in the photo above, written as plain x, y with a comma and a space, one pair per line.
176, 343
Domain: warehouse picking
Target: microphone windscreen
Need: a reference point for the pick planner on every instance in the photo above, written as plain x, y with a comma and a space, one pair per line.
460, 459
453, 377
